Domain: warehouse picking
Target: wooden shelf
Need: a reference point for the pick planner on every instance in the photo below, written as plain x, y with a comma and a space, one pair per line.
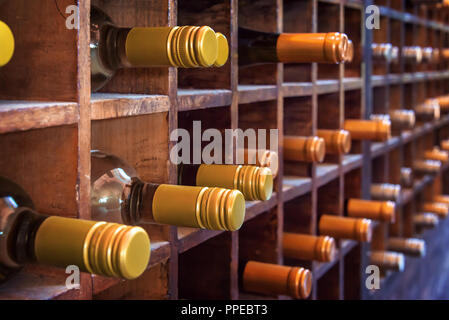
325, 173
115, 105
392, 79
35, 115
194, 99
254, 208
29, 286
351, 162
255, 93
295, 186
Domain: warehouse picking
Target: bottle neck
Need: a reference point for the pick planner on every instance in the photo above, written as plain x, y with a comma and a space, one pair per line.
113, 47
257, 47
21, 235
138, 206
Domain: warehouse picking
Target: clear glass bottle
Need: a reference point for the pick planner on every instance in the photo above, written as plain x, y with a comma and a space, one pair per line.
117, 194
28, 237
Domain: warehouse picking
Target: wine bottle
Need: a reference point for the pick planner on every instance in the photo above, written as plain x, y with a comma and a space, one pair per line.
386, 191
400, 119
102, 248
255, 183
308, 247
412, 55
304, 149
336, 141
385, 52
264, 47
113, 48
425, 220
374, 210
406, 177
428, 111
427, 54
445, 145
375, 130
436, 154
388, 260
443, 102
436, 55
261, 158
273, 279
441, 198
444, 54
119, 195
6, 44
346, 228
440, 209
409, 246
426, 166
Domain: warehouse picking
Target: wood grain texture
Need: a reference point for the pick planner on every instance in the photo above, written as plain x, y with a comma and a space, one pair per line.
45, 59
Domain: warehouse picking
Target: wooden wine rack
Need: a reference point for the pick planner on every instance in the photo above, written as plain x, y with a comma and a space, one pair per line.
49, 122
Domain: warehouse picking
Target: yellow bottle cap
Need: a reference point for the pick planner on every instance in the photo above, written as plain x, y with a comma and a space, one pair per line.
299, 283
6, 44
364, 232
387, 211
186, 46
199, 207
256, 183
344, 141
336, 47
316, 147
349, 55
206, 46
108, 249
223, 50
326, 248
383, 132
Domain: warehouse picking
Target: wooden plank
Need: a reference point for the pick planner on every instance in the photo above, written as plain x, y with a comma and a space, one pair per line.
26, 115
